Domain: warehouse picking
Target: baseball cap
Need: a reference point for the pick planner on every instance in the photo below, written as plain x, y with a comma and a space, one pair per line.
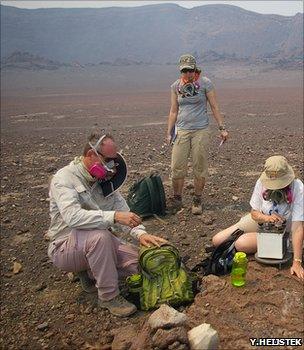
187, 61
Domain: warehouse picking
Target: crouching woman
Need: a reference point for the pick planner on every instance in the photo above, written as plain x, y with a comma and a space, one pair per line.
277, 197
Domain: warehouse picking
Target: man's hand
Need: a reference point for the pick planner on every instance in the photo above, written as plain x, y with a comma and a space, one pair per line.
127, 218
148, 240
297, 269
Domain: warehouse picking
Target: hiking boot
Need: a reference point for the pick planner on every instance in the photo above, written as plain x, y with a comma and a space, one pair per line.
197, 208
175, 204
87, 284
118, 306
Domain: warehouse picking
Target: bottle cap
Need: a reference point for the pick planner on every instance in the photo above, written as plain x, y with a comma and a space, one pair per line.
134, 278
240, 256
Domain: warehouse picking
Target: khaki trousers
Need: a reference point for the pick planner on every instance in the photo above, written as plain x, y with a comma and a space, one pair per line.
247, 224
194, 143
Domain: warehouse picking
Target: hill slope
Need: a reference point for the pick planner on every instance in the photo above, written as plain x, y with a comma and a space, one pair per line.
154, 33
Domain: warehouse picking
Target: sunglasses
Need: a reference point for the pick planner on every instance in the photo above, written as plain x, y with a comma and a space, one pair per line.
106, 159
187, 70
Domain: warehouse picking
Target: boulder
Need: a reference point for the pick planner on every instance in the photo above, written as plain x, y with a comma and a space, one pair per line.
163, 338
203, 337
166, 317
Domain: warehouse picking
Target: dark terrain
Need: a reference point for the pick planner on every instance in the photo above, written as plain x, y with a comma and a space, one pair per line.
45, 119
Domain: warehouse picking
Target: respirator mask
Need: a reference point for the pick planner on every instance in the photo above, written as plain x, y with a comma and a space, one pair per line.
104, 170
279, 196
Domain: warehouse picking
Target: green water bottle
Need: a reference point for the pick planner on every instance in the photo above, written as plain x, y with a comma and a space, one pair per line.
134, 283
239, 268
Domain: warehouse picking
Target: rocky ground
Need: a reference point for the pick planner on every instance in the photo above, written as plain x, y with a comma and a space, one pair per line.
41, 132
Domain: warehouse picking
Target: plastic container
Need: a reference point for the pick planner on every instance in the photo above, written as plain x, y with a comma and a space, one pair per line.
134, 283
239, 269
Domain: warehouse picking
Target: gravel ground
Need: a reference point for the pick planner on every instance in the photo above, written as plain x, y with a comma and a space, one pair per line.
40, 307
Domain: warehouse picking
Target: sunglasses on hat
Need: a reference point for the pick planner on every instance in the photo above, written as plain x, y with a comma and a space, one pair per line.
187, 70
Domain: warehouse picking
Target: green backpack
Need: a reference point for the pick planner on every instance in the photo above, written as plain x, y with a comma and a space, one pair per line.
162, 279
147, 197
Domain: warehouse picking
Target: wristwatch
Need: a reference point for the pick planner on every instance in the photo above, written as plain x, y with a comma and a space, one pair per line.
298, 260
222, 127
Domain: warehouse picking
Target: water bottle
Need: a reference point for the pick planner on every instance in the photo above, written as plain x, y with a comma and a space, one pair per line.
134, 283
239, 268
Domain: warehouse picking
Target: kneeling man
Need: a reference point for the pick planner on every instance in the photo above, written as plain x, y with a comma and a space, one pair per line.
85, 207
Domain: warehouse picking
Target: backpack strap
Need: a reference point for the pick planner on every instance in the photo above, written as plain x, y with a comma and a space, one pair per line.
152, 194
232, 238
158, 186
236, 234
228, 251
208, 265
134, 188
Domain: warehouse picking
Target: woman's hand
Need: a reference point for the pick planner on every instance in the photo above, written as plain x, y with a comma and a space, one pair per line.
297, 269
262, 218
224, 135
149, 240
274, 217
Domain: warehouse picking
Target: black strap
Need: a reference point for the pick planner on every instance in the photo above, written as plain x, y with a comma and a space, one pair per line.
207, 266
152, 195
156, 179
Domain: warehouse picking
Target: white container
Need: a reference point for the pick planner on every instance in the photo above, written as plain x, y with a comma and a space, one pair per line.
272, 245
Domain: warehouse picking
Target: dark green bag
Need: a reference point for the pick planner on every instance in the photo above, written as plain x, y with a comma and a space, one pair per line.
164, 279
147, 197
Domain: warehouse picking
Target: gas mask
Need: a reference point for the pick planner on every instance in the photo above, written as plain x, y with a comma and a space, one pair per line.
189, 89
103, 171
110, 175
283, 195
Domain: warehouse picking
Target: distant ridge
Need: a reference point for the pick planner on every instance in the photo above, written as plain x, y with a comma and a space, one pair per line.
26, 60
153, 34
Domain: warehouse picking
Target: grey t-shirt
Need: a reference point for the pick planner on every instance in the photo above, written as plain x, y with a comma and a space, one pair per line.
192, 102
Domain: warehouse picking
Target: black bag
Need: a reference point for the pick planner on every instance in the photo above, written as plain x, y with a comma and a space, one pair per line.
220, 261
147, 197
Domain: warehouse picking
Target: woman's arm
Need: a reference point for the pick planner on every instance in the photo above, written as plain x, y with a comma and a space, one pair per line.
297, 244
211, 97
261, 218
258, 216
172, 115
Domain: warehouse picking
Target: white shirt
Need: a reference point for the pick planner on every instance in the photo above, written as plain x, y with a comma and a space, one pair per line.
291, 212
76, 204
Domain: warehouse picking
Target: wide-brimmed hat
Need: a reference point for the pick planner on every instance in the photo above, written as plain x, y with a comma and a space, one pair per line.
277, 173
187, 61
112, 185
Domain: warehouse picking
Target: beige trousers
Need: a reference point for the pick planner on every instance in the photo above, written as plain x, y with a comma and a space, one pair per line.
247, 224
194, 143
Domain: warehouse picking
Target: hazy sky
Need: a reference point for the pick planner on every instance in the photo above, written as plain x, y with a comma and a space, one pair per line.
286, 8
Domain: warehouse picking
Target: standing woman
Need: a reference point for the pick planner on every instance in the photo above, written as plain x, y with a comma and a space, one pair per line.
188, 112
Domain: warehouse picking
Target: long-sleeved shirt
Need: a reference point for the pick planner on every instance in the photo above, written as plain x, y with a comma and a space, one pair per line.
76, 203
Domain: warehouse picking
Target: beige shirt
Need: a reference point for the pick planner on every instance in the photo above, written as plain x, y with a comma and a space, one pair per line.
76, 203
